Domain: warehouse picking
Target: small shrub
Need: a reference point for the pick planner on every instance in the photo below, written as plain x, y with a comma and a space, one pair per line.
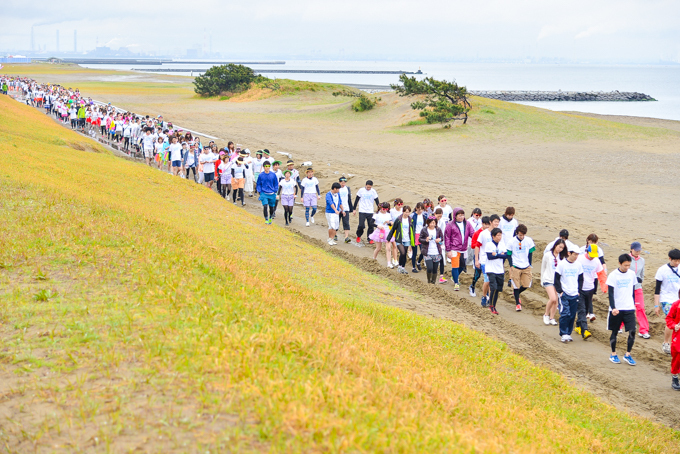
364, 103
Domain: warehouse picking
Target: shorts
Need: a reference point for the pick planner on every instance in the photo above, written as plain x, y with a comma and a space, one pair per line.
309, 200
177, 163
626, 317
287, 200
333, 220
148, 152
345, 221
486, 278
208, 177
521, 277
666, 307
268, 199
238, 183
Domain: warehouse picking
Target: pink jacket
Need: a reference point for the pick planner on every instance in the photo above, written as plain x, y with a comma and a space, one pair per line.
454, 239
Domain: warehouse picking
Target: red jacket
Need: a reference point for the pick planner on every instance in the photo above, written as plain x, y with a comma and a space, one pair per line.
672, 319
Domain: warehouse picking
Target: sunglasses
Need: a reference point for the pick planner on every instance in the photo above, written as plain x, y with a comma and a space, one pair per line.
442, 200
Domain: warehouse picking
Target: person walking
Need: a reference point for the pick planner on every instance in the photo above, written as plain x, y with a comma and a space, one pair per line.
621, 290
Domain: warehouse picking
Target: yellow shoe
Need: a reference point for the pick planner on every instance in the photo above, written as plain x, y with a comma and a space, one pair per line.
578, 330
586, 334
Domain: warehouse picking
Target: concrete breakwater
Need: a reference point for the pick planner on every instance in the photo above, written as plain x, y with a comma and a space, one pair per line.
537, 96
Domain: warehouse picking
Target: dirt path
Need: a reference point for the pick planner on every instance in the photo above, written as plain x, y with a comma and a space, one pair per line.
644, 389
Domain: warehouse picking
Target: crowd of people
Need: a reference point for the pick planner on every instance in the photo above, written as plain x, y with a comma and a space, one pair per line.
433, 236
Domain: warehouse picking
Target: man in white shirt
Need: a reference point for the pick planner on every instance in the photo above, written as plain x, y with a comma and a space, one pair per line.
666, 292
568, 284
483, 239
148, 144
621, 284
591, 266
363, 203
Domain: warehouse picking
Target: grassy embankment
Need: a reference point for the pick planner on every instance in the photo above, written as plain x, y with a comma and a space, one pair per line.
140, 310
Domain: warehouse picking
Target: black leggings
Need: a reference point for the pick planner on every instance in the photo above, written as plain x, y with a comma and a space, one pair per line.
402, 255
287, 213
495, 287
268, 211
415, 257
189, 169
238, 195
631, 340
478, 274
431, 265
225, 190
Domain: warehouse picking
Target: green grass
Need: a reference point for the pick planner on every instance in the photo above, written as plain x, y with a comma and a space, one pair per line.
140, 311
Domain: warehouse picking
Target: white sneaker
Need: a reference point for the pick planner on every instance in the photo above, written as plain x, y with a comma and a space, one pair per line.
389, 265
395, 262
331, 242
553, 322
591, 317
312, 219
564, 338
307, 224
546, 320
666, 348
644, 336
569, 339
472, 291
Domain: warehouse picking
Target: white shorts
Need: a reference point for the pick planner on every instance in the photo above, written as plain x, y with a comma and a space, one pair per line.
333, 221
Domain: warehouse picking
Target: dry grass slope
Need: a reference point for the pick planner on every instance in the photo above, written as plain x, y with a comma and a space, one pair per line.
140, 311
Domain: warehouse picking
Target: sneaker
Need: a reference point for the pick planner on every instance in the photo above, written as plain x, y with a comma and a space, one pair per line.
307, 224
312, 219
347, 240
577, 330
456, 287
358, 239
389, 265
620, 331
483, 301
518, 307
644, 336
395, 262
586, 334
420, 268
569, 338
414, 270
472, 292
666, 348
402, 270
615, 359
329, 241
442, 280
371, 242
335, 238
493, 310
553, 322
268, 221
546, 320
564, 339
629, 359
675, 383
591, 317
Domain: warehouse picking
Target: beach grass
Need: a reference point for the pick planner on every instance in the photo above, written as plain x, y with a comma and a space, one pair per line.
141, 312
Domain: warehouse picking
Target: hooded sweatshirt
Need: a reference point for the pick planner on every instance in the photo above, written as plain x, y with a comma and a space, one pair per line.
455, 238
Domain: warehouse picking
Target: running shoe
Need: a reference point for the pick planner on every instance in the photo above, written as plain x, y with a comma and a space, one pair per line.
330, 241
312, 219
591, 317
389, 265
371, 242
629, 359
553, 322
307, 224
472, 292
569, 338
483, 301
456, 287
493, 310
615, 359
420, 268
402, 270
577, 330
335, 238
442, 280
414, 270
395, 262
564, 338
268, 221
586, 334
518, 307
644, 336
358, 239
546, 320
675, 383
347, 240
666, 348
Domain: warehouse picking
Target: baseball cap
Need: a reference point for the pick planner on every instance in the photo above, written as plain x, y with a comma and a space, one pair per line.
571, 247
592, 250
635, 246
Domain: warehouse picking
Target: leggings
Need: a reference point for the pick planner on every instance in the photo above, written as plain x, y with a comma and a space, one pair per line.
73, 123
268, 211
631, 340
495, 287
414, 257
189, 169
225, 190
402, 254
431, 264
307, 212
478, 274
287, 213
238, 195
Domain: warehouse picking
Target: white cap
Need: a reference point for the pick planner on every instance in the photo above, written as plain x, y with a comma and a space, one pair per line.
571, 247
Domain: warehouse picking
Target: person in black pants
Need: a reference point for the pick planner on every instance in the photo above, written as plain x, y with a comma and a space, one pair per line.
363, 203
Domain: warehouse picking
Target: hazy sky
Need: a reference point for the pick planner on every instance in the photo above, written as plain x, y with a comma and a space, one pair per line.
595, 30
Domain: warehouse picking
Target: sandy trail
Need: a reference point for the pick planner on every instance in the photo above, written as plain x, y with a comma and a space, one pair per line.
583, 185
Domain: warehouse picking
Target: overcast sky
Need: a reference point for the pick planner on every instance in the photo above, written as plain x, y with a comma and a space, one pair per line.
595, 30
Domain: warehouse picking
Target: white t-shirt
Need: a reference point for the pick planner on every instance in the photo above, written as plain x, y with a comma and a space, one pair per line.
405, 226
623, 284
287, 187
395, 214
419, 223
569, 273
670, 283
448, 213
483, 239
494, 266
432, 246
257, 165
344, 193
309, 185
147, 141
239, 171
208, 161
381, 219
590, 270
366, 199
176, 153
508, 229
519, 251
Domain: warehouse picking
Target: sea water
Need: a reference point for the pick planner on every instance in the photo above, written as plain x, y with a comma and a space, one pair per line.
662, 82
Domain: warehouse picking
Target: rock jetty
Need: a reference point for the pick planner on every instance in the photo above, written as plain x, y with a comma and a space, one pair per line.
564, 95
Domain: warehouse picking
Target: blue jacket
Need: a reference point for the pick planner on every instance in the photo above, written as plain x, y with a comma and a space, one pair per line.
267, 183
329, 202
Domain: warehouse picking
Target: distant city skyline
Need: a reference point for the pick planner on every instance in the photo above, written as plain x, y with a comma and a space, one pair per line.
525, 30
